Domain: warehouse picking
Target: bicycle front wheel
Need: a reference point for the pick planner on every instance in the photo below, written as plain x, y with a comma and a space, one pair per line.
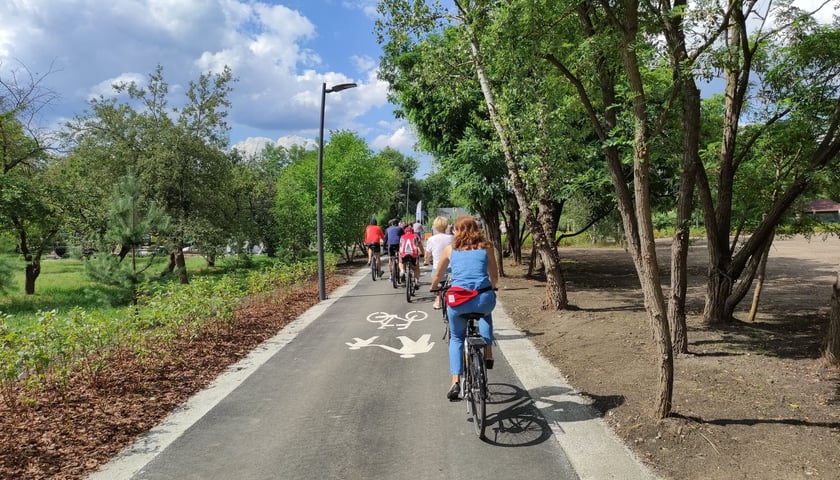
478, 392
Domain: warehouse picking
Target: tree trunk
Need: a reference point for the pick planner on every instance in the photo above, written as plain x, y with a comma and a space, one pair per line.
647, 266
514, 232
33, 269
181, 266
555, 291
831, 355
634, 208
494, 234
211, 260
679, 287
532, 263
555, 296
718, 289
759, 282
685, 205
170, 267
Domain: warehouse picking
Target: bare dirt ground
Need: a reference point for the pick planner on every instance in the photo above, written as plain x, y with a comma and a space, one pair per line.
751, 400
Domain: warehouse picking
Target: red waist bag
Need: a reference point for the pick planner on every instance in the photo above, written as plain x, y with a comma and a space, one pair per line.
459, 295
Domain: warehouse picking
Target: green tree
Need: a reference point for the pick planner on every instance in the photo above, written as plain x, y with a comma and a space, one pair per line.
32, 206
29, 196
409, 190
180, 161
796, 65
131, 220
357, 184
295, 206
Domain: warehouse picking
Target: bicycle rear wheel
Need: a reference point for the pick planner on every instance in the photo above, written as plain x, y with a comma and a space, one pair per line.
478, 392
374, 267
395, 273
409, 282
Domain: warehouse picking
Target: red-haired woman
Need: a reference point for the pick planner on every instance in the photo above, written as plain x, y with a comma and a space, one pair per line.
473, 265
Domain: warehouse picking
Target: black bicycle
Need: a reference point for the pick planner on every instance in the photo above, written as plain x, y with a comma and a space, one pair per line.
474, 379
410, 280
375, 268
394, 261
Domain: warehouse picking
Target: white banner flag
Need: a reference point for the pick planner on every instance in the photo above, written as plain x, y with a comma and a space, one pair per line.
418, 215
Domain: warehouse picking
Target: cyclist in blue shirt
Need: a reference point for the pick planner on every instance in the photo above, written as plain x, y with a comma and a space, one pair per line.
392, 242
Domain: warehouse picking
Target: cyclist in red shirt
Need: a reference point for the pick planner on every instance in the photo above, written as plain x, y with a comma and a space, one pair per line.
374, 237
410, 249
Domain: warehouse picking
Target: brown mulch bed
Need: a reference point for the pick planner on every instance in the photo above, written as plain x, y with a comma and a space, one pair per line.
69, 434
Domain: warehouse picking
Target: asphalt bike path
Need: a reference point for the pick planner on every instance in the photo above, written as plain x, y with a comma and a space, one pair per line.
355, 388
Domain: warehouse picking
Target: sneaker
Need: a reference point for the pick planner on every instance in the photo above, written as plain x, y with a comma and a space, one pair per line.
454, 391
368, 262
436, 306
488, 362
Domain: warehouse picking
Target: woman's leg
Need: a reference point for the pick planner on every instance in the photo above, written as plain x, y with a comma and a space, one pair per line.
485, 328
457, 330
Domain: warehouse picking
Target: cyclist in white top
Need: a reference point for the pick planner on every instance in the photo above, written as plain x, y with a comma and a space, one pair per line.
435, 245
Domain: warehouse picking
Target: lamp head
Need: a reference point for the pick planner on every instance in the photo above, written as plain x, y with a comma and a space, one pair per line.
340, 87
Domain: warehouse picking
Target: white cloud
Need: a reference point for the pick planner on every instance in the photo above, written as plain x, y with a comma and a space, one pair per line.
105, 88
827, 9
366, 6
290, 140
252, 145
402, 139
273, 50
364, 63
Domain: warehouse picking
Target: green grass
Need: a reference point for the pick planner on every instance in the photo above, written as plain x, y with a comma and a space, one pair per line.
63, 284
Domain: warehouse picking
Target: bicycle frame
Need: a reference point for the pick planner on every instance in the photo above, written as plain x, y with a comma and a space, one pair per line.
475, 375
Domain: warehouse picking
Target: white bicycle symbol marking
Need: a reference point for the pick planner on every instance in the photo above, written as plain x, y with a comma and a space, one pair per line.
385, 319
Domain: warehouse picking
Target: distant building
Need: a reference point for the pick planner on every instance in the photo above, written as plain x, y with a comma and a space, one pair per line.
823, 210
451, 213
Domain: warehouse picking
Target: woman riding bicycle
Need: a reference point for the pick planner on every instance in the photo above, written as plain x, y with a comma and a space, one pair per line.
434, 248
472, 262
411, 249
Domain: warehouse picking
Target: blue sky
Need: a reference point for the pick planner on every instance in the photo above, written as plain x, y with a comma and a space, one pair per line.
281, 51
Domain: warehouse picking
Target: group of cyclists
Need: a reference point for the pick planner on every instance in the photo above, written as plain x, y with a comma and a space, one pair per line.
462, 251
401, 240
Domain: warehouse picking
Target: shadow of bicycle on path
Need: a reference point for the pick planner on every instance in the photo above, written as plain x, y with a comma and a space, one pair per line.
517, 419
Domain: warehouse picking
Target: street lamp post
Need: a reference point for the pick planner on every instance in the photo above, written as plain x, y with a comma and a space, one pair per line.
322, 290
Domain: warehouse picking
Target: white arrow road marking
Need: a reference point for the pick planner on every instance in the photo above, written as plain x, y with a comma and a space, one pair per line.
409, 348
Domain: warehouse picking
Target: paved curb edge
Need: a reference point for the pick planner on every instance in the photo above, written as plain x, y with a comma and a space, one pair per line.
592, 447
